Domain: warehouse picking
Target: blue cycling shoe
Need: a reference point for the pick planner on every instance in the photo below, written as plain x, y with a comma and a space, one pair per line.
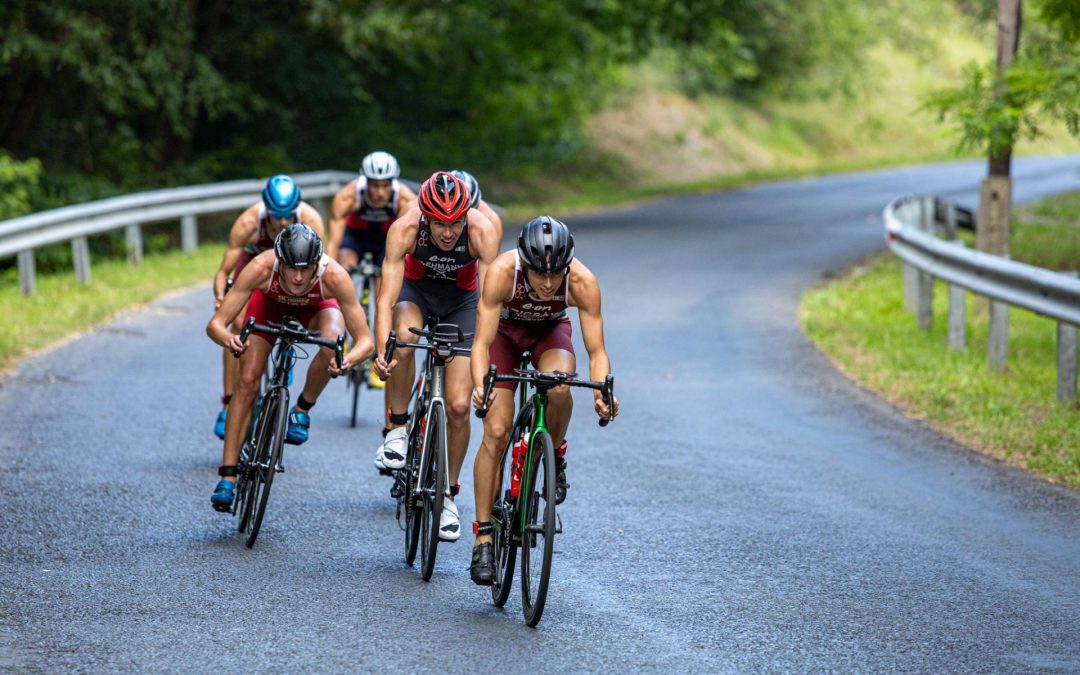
299, 423
224, 493
219, 426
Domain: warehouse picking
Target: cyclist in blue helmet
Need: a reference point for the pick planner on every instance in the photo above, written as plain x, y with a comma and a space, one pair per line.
252, 233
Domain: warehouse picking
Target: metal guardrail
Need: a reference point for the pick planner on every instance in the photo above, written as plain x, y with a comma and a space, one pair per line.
21, 236
910, 223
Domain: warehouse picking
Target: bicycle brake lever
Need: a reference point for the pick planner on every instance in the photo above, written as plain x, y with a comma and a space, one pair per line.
244, 333
339, 351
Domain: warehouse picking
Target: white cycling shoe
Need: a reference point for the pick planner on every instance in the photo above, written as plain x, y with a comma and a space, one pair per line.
391, 454
449, 522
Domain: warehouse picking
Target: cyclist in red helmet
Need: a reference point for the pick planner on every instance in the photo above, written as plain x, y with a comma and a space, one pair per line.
254, 232
434, 254
523, 308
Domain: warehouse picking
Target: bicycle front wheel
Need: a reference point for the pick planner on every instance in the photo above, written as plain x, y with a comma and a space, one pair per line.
537, 501
266, 458
412, 508
432, 488
504, 539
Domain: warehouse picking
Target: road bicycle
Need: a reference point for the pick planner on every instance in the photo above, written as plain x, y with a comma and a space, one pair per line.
364, 274
422, 485
527, 521
261, 453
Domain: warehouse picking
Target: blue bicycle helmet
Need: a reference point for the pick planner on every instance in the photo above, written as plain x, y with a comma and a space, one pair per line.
281, 196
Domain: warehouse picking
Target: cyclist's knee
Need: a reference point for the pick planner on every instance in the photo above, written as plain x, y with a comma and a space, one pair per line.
457, 410
248, 386
559, 393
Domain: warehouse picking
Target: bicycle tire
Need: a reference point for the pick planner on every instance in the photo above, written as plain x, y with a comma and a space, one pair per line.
246, 481
504, 545
355, 379
538, 539
433, 487
268, 456
412, 512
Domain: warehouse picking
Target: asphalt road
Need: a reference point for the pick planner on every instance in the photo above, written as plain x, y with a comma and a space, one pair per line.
750, 510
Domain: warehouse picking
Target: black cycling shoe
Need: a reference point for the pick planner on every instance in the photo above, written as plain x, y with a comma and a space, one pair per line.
482, 569
560, 480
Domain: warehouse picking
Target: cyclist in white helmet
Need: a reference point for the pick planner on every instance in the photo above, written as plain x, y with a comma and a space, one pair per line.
364, 209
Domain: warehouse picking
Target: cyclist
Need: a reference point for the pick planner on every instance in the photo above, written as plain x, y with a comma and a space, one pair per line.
295, 278
476, 199
433, 256
523, 309
252, 233
363, 211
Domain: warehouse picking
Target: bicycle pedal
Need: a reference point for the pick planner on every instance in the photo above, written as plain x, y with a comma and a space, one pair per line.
397, 491
280, 468
386, 472
558, 524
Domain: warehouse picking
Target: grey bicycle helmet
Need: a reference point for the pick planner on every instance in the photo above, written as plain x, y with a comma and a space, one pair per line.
298, 246
471, 184
545, 245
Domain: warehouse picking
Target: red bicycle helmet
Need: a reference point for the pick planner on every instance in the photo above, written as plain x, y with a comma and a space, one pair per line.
444, 197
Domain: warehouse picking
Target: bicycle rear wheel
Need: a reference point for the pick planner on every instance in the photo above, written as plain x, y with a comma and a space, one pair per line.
432, 488
266, 458
537, 500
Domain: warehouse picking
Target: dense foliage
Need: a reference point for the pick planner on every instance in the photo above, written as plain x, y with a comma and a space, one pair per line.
156, 92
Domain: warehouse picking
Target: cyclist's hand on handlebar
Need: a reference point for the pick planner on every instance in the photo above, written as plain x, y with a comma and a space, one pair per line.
382, 368
478, 398
346, 365
602, 409
237, 346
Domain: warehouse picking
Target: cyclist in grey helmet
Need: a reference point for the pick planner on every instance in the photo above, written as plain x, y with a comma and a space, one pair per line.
294, 278
523, 308
476, 197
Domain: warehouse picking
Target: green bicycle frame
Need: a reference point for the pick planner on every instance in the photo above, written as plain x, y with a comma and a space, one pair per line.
539, 423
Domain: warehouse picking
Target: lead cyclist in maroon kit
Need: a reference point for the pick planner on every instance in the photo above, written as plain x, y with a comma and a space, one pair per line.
523, 309
434, 254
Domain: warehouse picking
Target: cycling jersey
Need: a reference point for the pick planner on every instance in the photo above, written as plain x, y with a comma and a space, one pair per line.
373, 219
431, 267
524, 307
273, 304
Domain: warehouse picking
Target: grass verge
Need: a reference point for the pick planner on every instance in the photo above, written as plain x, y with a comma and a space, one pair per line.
860, 323
61, 307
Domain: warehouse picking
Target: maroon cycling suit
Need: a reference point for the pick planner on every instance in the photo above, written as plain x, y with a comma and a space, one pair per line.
527, 324
273, 303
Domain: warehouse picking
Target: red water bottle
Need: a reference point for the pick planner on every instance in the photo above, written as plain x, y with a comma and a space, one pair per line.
515, 468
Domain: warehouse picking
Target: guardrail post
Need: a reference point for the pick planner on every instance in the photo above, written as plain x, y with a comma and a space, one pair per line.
27, 273
950, 221
1066, 360
134, 244
80, 252
924, 282
957, 312
189, 233
997, 344
911, 286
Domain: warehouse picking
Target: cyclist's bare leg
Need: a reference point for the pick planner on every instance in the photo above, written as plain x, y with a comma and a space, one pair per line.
347, 257
560, 402
252, 365
230, 365
458, 393
497, 424
330, 324
399, 386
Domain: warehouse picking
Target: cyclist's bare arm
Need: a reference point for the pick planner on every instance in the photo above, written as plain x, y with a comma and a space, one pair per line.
243, 232
312, 219
406, 198
400, 239
497, 289
339, 286
484, 241
343, 204
585, 293
485, 208
255, 274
